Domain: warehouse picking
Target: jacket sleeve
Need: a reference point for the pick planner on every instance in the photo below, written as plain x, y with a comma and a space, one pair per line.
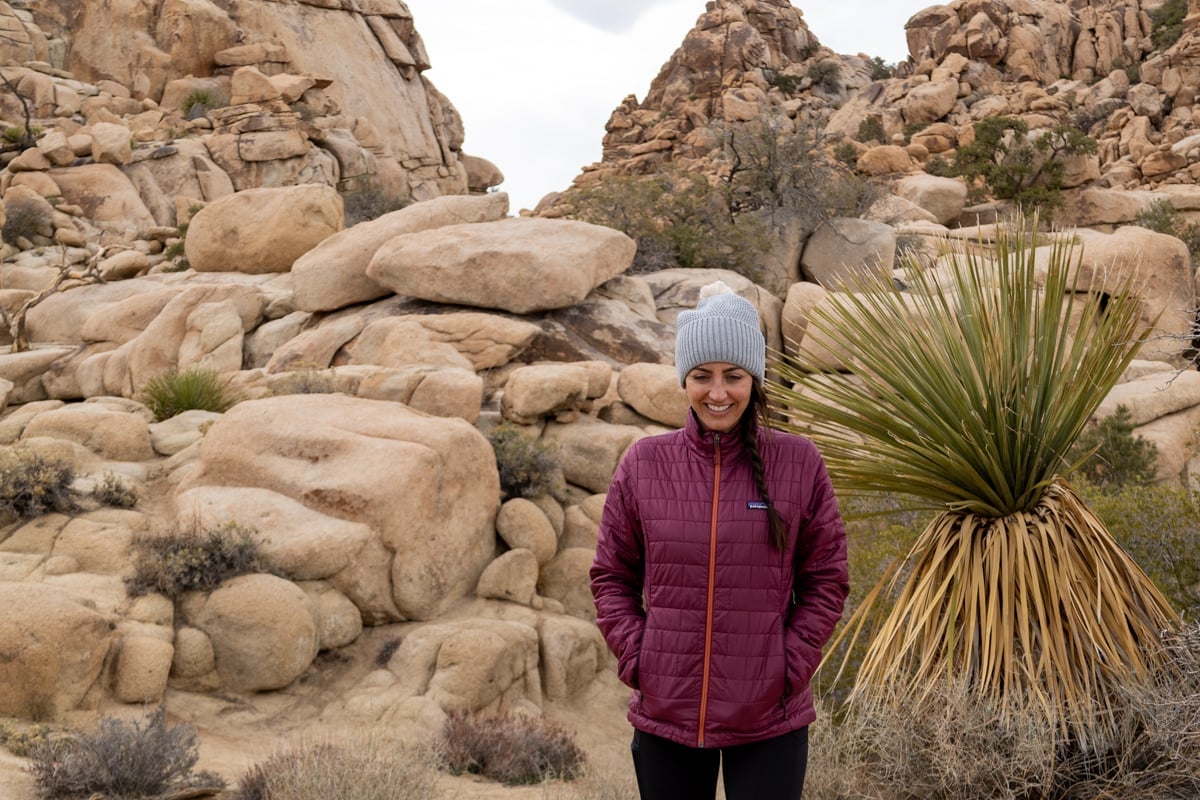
617, 576
821, 583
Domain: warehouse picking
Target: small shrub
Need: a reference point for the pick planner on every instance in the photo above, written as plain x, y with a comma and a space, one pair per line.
198, 102
368, 200
528, 467
193, 560
32, 484
881, 70
508, 749
24, 220
21, 743
175, 391
121, 761
1119, 458
826, 74
788, 84
367, 769
1167, 23
940, 167
17, 134
846, 153
1159, 526
112, 491
1162, 217
870, 129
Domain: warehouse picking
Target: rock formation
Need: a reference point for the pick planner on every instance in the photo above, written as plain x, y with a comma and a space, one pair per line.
373, 355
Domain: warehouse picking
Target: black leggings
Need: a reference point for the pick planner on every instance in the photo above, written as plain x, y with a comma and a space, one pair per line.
772, 769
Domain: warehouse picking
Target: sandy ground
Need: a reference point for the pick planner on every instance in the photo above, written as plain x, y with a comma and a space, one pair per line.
235, 732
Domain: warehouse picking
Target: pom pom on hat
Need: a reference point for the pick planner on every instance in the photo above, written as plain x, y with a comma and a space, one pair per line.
722, 328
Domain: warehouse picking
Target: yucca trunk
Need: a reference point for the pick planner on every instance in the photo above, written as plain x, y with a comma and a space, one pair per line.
1039, 606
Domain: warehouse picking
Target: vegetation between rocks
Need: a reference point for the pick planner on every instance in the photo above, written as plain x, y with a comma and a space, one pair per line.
528, 467
355, 768
120, 761
177, 390
193, 560
510, 749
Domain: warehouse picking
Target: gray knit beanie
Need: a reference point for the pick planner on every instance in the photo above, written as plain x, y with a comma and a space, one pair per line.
723, 327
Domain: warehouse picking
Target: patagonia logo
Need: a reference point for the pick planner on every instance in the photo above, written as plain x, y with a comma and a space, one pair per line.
757, 505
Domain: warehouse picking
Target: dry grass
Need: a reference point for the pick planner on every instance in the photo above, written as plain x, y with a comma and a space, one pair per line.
510, 749
366, 767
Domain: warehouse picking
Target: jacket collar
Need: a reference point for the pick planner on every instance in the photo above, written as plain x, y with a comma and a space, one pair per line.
702, 440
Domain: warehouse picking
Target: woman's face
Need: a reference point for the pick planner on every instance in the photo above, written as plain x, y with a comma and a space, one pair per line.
719, 394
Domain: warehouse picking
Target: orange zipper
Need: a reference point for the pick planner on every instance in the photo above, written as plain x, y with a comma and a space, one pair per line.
712, 578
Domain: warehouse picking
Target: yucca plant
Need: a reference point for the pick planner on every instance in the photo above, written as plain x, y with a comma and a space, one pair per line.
965, 393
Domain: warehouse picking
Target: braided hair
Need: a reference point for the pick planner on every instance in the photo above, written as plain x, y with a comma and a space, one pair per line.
756, 414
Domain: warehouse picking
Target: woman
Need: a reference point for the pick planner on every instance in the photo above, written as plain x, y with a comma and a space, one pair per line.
720, 573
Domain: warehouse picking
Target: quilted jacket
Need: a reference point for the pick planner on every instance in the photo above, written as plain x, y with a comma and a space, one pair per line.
717, 632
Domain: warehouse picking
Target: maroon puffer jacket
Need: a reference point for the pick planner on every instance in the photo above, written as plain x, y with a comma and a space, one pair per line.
722, 649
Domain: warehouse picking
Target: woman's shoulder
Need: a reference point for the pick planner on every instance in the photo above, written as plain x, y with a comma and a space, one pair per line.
791, 446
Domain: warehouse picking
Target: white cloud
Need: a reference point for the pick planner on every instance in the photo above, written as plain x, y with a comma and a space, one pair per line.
615, 16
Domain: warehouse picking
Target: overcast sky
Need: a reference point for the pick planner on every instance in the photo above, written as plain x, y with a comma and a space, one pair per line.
536, 80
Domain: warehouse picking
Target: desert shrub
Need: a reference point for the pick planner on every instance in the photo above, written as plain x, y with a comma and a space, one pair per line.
120, 761
177, 390
369, 199
112, 491
1162, 217
677, 218
870, 129
1118, 457
881, 70
846, 153
198, 102
358, 768
32, 484
826, 75
1167, 23
940, 167
528, 467
772, 167
23, 220
1159, 526
1013, 166
509, 749
193, 560
788, 84
21, 742
959, 746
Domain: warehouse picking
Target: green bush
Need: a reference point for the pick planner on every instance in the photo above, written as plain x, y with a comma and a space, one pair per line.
788, 84
366, 769
1159, 526
826, 75
121, 761
1117, 457
1167, 23
32, 484
1014, 167
175, 391
678, 219
193, 560
870, 129
369, 199
22, 742
24, 220
528, 467
511, 750
112, 491
1162, 217
881, 70
198, 102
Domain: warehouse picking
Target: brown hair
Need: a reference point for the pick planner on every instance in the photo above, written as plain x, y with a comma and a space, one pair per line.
755, 415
